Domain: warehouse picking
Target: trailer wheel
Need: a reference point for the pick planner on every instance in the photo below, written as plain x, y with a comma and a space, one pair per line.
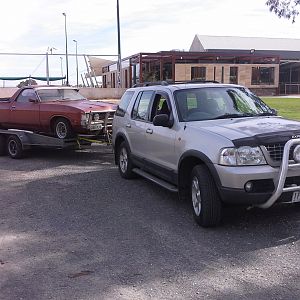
2, 145
63, 128
14, 147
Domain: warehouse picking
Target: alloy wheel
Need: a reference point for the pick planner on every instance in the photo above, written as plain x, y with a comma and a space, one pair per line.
196, 196
123, 160
61, 130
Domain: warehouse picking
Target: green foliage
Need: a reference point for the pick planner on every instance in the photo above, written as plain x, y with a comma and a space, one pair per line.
283, 8
286, 107
26, 83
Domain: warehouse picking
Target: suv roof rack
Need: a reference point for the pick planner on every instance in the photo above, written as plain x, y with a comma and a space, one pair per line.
151, 83
196, 81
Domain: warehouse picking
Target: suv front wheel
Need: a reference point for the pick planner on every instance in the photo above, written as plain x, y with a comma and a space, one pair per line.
124, 161
205, 198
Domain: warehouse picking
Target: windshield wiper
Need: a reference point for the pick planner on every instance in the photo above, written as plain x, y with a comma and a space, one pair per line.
229, 116
267, 114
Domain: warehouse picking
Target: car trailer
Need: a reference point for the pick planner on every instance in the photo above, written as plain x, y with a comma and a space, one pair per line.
15, 142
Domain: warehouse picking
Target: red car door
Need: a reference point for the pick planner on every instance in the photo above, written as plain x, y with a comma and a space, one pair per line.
24, 112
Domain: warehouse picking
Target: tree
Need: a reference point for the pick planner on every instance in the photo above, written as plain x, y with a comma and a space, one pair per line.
27, 82
284, 8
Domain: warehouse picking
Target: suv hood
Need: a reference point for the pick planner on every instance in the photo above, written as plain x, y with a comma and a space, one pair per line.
244, 128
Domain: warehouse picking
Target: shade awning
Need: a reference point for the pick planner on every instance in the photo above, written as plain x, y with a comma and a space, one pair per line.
32, 77
97, 64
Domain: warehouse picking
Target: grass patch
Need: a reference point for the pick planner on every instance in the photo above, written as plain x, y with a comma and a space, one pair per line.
287, 107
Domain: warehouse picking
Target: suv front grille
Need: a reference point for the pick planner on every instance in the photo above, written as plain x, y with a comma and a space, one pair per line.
276, 151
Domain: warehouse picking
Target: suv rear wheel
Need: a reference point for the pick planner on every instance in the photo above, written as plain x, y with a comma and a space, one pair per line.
124, 161
205, 198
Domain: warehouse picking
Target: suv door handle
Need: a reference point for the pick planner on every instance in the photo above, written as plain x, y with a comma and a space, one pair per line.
13, 107
128, 125
149, 130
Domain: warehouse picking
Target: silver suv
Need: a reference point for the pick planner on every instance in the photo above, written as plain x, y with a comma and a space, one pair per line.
212, 143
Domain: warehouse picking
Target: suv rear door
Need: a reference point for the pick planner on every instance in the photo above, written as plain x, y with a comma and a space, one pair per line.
137, 124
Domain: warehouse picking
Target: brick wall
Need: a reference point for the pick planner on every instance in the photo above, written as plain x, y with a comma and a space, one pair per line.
183, 73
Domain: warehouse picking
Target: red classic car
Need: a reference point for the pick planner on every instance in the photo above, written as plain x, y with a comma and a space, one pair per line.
55, 110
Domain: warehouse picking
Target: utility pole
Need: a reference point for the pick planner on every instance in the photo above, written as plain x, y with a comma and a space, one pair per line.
76, 62
47, 67
61, 70
66, 38
119, 64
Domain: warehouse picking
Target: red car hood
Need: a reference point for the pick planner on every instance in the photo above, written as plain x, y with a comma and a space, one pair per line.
86, 105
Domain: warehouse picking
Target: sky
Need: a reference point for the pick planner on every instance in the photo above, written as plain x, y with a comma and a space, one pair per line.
33, 26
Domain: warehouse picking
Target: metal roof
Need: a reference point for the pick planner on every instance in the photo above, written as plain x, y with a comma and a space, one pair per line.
209, 42
97, 64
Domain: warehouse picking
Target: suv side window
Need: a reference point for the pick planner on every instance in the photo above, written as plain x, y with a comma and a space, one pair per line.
141, 106
160, 105
124, 102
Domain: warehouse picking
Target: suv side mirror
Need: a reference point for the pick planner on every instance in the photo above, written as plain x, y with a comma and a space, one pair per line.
163, 120
274, 111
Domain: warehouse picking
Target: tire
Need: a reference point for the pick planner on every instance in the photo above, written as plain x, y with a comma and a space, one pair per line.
14, 147
206, 203
62, 128
2, 145
124, 161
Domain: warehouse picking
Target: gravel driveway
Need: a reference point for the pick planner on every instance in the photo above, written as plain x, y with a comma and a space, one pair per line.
71, 228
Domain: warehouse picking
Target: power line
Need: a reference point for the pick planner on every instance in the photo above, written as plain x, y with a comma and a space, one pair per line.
38, 66
61, 54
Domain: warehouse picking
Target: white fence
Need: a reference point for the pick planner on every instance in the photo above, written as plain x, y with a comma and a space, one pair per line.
90, 93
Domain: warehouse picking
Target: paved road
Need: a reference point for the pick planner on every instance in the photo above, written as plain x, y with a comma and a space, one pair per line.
71, 228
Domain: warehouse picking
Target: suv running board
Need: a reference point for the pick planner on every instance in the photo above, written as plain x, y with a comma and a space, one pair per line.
162, 183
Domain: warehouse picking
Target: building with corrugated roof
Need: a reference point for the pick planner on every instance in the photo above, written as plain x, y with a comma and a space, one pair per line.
288, 51
268, 66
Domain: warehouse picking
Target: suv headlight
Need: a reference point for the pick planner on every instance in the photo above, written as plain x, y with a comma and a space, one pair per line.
242, 156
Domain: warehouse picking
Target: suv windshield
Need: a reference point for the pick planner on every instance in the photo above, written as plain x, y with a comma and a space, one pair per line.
210, 103
59, 94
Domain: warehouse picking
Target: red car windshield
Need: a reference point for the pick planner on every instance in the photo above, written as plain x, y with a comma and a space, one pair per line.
59, 94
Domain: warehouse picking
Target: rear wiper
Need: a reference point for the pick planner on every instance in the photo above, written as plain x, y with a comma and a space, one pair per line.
229, 116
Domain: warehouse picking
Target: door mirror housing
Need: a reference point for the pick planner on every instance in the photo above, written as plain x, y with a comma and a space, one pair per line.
274, 111
163, 120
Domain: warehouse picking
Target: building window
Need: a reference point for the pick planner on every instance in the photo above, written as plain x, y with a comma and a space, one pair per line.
104, 83
233, 75
126, 78
113, 80
214, 73
222, 75
198, 73
262, 75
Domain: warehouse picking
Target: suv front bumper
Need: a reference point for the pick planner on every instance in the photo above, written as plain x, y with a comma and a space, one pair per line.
285, 180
